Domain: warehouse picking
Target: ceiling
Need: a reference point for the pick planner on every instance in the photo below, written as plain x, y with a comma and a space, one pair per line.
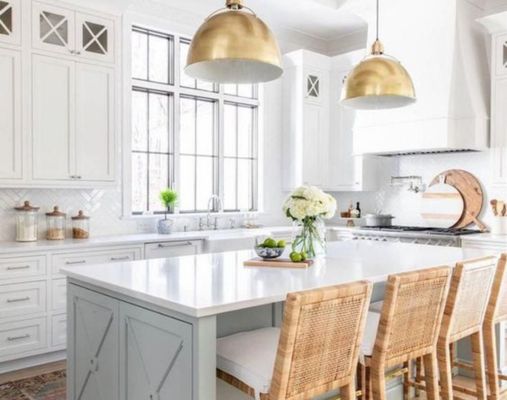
322, 19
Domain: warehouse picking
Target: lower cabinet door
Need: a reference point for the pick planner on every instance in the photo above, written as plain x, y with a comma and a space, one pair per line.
155, 355
93, 352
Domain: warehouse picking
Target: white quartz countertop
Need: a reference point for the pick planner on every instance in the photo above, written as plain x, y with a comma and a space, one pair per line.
125, 240
210, 284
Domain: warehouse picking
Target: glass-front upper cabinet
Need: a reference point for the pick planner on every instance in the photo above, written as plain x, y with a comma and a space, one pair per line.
10, 21
66, 31
94, 36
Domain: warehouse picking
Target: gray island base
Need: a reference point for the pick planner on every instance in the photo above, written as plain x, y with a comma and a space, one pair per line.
148, 329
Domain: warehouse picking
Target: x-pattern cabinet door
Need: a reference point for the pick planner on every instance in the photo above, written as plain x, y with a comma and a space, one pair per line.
53, 28
94, 328
95, 37
155, 356
10, 21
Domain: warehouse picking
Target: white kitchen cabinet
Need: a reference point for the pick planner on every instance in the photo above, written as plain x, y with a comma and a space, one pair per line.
306, 118
73, 33
94, 37
94, 123
348, 171
73, 138
172, 249
318, 131
53, 128
11, 168
10, 22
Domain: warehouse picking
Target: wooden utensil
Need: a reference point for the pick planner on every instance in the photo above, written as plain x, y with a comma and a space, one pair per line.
442, 206
471, 191
493, 206
500, 208
277, 263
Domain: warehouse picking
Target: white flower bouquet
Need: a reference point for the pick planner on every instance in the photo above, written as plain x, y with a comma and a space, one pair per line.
307, 206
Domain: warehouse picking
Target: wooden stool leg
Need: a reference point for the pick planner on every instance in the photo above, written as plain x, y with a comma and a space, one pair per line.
445, 368
491, 361
452, 350
406, 376
431, 376
418, 375
367, 393
360, 379
348, 392
478, 360
378, 383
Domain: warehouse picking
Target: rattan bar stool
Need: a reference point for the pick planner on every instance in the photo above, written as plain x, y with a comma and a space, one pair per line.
315, 351
463, 317
407, 328
496, 312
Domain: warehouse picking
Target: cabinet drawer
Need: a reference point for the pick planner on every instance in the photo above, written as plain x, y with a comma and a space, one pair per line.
59, 294
22, 267
172, 249
21, 299
23, 336
94, 257
59, 330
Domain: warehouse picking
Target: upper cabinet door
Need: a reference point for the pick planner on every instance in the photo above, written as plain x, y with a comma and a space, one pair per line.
10, 21
10, 117
95, 37
53, 28
53, 119
95, 145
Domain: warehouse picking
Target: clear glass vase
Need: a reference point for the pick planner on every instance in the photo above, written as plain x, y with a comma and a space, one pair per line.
310, 237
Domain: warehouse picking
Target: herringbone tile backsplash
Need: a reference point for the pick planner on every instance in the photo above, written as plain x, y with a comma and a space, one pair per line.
104, 206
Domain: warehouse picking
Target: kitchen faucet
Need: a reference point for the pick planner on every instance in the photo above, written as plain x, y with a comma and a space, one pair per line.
211, 207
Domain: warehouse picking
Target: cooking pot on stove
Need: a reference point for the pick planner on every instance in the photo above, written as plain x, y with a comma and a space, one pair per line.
378, 219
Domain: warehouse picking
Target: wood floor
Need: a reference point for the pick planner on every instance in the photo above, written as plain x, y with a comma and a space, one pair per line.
31, 372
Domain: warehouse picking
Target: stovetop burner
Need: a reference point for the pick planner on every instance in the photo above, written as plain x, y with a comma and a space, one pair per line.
423, 229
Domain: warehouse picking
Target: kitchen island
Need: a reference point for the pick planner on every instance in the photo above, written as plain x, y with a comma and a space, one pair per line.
147, 329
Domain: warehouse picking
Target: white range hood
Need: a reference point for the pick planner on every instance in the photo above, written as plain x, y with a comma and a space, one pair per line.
442, 47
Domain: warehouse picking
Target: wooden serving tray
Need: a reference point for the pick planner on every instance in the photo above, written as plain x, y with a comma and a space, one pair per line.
277, 263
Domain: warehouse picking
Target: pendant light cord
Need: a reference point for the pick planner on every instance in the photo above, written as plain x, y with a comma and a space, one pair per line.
378, 19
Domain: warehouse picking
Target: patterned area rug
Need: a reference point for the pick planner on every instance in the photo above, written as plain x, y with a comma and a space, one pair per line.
43, 387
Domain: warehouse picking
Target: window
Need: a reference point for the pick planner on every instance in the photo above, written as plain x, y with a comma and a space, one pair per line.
196, 137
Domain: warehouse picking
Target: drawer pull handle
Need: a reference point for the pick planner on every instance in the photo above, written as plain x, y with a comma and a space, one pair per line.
178, 244
18, 267
14, 338
18, 300
75, 262
120, 258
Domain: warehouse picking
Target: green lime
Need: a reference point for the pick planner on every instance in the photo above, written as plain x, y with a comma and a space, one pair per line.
270, 243
295, 257
304, 256
281, 243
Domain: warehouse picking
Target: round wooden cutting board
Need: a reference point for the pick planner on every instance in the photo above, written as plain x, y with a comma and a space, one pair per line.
471, 191
442, 206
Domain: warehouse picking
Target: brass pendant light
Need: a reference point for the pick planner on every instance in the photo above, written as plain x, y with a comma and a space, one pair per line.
234, 46
378, 81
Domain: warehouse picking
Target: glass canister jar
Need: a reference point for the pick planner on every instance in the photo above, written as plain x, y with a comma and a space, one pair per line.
27, 220
55, 222
80, 226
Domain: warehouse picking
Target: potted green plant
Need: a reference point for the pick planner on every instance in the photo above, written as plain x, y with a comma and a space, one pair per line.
169, 199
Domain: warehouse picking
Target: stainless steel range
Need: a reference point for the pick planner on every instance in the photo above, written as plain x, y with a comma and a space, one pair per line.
413, 234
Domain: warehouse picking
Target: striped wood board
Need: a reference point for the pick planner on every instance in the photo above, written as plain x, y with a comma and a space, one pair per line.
442, 206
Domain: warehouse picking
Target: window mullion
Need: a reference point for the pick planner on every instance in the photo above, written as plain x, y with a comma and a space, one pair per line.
220, 126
